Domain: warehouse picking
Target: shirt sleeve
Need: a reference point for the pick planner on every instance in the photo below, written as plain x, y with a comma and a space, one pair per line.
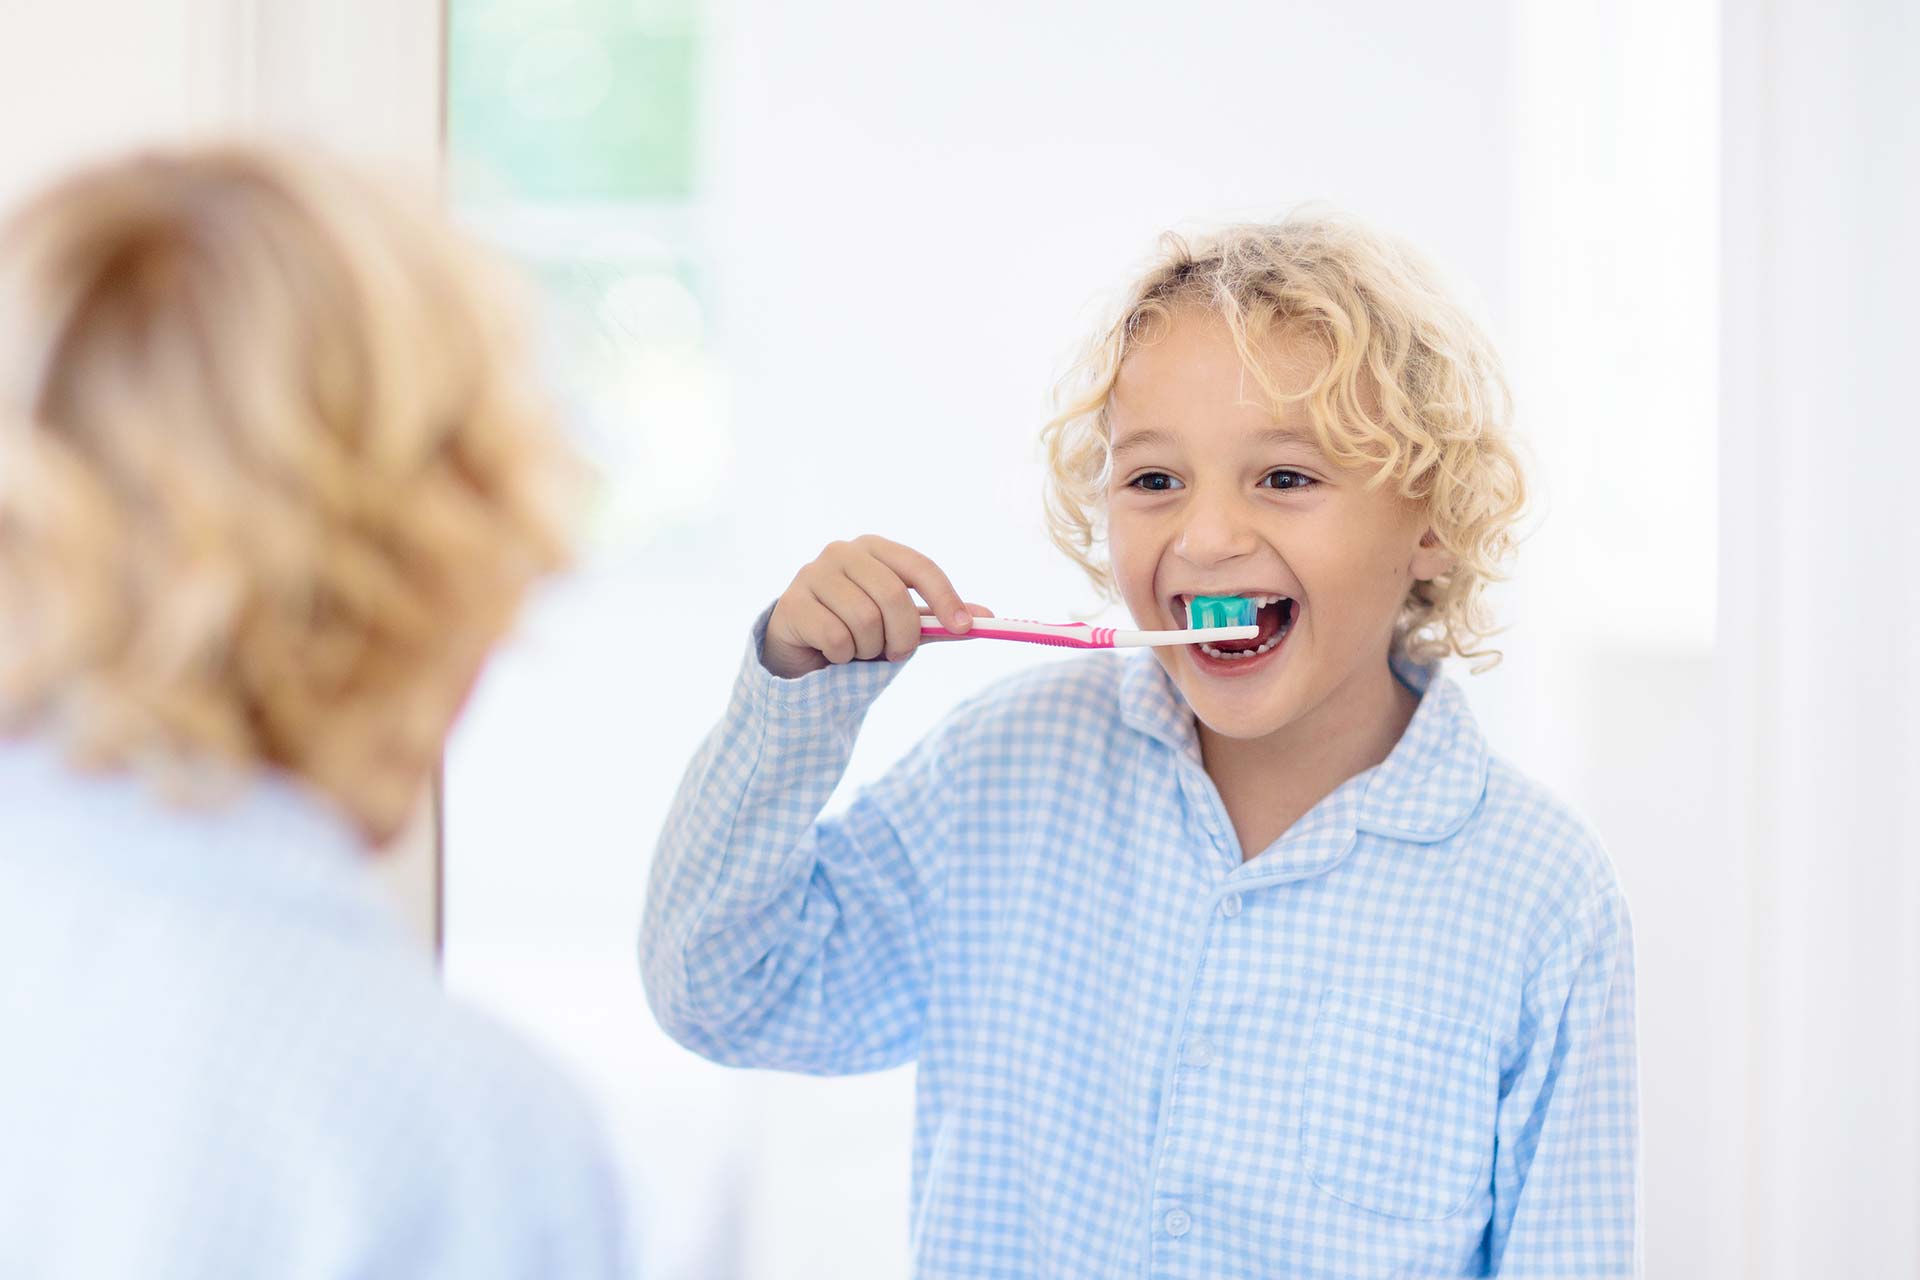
1567, 1195
772, 937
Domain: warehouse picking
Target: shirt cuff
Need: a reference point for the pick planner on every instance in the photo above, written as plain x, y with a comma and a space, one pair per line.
845, 687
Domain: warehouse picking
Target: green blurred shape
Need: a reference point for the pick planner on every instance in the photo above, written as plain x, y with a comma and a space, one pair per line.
586, 101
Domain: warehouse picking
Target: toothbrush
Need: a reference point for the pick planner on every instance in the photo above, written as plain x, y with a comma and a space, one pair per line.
1222, 618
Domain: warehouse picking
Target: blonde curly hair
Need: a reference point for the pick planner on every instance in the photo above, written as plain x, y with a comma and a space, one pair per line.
1410, 389
273, 474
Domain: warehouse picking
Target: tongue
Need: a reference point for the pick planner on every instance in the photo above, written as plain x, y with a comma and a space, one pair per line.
1268, 620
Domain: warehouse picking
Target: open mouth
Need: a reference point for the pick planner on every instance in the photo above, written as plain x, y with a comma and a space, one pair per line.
1274, 615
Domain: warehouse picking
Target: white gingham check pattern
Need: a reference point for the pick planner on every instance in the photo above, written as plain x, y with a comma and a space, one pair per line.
224, 1057
1399, 1042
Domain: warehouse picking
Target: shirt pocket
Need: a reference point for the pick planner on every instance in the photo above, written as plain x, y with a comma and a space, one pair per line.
1398, 1116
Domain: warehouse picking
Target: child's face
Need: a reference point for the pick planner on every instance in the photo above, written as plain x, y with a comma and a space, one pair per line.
1211, 494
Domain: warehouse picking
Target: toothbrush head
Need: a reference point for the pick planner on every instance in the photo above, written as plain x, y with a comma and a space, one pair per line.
1220, 611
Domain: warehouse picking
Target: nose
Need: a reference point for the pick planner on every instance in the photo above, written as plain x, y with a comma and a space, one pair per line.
1216, 530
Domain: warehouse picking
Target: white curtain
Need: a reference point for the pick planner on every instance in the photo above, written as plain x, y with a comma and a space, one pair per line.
1820, 626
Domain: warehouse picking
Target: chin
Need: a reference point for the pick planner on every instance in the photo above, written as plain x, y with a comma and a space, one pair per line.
1242, 711
1242, 723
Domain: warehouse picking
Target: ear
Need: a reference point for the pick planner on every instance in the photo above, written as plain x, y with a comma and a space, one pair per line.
1431, 560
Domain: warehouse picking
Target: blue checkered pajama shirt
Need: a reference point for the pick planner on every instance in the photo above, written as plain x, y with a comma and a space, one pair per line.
1398, 1042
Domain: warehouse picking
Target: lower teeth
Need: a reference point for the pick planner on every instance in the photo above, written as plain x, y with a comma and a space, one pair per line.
1224, 656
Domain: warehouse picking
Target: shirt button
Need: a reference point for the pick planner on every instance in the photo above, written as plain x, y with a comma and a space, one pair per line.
1178, 1223
1230, 905
1199, 1053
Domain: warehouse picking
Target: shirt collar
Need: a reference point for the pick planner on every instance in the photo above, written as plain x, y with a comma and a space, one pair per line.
1433, 779
1424, 791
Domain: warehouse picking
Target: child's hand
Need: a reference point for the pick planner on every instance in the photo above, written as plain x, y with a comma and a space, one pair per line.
854, 602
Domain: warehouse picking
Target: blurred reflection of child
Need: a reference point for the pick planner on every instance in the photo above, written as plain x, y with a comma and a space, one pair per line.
272, 482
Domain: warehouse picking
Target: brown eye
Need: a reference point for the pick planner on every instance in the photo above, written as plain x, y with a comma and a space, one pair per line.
1153, 482
1284, 479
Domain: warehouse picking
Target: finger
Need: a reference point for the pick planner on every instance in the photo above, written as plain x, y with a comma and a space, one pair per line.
900, 617
977, 610
856, 609
924, 576
974, 611
820, 628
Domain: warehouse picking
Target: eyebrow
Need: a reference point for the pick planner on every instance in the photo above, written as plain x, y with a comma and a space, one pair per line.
1152, 437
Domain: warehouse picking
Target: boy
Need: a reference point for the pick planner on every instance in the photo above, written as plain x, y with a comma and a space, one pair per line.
1245, 960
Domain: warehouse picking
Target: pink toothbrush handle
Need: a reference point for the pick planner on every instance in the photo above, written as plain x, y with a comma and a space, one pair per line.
1067, 635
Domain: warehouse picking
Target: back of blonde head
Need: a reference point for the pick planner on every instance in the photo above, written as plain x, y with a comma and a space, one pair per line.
272, 475
1410, 391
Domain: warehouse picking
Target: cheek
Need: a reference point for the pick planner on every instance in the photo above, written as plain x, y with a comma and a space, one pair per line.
1128, 551
1373, 548
1356, 580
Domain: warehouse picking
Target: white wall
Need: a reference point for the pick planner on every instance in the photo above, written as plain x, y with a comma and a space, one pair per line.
78, 78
